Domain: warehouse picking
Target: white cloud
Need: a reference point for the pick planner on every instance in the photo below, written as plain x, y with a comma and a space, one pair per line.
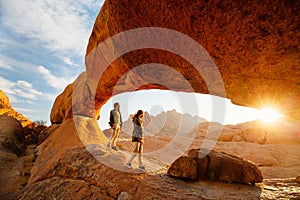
13, 64
27, 110
4, 65
20, 91
55, 82
68, 61
59, 25
6, 86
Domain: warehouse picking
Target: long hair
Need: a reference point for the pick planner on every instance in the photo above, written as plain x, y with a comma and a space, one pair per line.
139, 112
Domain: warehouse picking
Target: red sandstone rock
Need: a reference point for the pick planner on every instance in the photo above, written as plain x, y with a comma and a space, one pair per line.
255, 47
12, 135
184, 167
225, 167
4, 101
202, 164
216, 166
62, 106
6, 109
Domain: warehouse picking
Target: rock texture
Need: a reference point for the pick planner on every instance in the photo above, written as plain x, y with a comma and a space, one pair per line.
215, 166
225, 167
272, 159
65, 169
62, 106
12, 135
254, 45
4, 100
297, 179
6, 109
18, 138
31, 129
184, 167
11, 146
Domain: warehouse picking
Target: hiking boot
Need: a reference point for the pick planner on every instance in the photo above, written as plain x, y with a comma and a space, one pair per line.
115, 148
142, 168
128, 165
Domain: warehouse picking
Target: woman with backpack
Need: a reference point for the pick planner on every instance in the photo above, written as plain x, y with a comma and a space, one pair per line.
138, 140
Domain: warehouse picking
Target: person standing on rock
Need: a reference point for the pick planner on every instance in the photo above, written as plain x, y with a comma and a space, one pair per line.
115, 121
138, 140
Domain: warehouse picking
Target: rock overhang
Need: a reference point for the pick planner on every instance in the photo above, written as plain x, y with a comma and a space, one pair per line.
255, 47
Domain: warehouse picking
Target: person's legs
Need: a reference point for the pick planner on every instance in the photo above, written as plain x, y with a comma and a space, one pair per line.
140, 153
133, 155
111, 137
115, 136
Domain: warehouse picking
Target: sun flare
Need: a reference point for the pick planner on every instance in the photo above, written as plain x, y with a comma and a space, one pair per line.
269, 115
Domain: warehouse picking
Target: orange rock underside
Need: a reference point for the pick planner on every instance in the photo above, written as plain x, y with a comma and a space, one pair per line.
255, 46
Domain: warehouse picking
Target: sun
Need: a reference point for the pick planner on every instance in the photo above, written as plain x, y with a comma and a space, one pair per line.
269, 115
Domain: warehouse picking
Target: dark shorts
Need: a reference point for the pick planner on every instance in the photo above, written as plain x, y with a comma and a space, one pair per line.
135, 139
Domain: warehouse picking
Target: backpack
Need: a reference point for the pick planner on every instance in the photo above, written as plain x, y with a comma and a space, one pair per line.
111, 119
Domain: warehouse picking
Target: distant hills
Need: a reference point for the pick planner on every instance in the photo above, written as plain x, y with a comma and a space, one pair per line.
285, 130
171, 123
165, 124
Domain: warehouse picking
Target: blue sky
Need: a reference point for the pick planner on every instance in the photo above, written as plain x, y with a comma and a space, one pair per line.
42, 47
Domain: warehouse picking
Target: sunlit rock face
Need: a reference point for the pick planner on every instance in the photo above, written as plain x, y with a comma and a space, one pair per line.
254, 45
4, 101
6, 109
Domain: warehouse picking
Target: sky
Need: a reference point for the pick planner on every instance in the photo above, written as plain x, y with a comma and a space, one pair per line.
42, 48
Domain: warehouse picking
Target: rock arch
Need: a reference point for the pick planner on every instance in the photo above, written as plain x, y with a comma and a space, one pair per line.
255, 46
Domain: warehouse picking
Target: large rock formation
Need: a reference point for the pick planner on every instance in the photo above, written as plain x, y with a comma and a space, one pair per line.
12, 135
18, 136
255, 47
184, 167
6, 109
215, 166
65, 169
32, 129
11, 146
